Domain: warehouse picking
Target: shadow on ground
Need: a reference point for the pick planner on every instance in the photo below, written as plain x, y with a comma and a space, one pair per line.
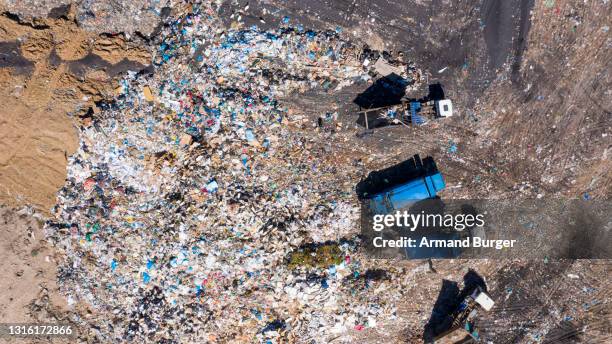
447, 302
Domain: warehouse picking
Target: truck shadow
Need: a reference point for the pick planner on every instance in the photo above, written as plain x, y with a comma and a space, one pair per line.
385, 91
379, 181
384, 95
436, 92
449, 298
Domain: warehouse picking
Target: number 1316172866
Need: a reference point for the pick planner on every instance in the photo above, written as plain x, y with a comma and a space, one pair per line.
36, 330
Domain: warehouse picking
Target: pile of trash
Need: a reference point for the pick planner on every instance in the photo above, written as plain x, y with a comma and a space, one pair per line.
190, 192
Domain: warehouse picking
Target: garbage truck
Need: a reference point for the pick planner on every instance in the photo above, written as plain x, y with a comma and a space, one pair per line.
412, 186
399, 186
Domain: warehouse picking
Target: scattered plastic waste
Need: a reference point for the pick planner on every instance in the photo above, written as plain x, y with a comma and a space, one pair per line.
452, 147
187, 187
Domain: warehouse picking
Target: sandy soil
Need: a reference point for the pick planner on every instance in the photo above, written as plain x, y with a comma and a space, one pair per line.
51, 73
29, 290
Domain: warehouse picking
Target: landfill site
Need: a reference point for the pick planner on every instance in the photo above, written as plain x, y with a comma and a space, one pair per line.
177, 171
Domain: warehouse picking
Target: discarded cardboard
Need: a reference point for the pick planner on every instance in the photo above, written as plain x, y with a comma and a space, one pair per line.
383, 68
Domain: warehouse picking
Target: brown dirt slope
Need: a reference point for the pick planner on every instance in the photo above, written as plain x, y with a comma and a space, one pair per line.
51, 72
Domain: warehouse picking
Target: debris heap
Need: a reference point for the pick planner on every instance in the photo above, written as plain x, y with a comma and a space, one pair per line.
193, 211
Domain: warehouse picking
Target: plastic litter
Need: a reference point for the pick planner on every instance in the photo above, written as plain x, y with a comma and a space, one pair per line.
191, 189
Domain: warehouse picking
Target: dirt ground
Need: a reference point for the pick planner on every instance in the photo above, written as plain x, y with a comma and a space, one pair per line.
529, 297
29, 290
51, 73
551, 117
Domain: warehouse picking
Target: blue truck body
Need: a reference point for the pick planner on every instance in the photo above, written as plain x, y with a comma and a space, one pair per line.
402, 185
404, 195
